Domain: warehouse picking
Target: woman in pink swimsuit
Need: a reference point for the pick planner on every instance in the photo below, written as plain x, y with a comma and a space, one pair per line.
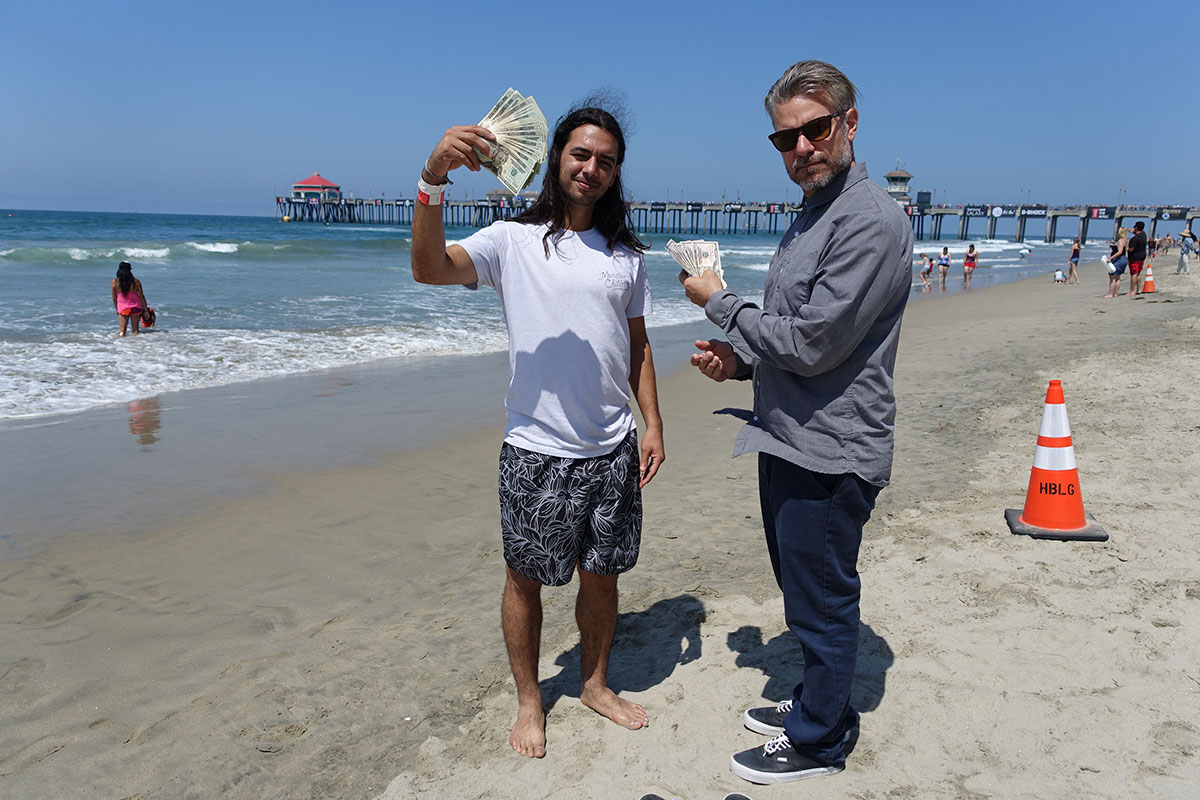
127, 297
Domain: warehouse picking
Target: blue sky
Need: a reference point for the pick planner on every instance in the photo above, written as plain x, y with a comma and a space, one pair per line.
215, 107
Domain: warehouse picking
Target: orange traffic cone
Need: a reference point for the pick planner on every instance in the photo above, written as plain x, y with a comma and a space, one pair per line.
1053, 504
1148, 285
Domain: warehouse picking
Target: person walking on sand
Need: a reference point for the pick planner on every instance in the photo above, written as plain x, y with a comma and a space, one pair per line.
572, 282
1137, 257
1117, 260
128, 298
969, 261
821, 352
1073, 262
1187, 244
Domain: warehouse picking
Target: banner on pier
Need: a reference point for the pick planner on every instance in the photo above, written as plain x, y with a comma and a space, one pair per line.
1102, 212
975, 211
1167, 213
1036, 210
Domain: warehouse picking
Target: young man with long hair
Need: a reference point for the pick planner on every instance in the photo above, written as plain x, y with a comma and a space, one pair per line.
572, 280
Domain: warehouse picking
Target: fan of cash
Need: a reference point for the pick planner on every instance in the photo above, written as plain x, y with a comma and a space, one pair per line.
520, 147
697, 255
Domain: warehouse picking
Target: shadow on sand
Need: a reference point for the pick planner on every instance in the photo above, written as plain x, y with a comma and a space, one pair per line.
782, 661
646, 649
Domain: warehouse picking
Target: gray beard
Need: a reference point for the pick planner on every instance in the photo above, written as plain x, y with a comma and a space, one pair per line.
835, 168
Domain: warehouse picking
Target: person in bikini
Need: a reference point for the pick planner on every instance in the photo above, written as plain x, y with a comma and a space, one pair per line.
943, 264
128, 298
1117, 261
969, 261
1073, 262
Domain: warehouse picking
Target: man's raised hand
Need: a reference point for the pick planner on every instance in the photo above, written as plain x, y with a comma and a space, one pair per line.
457, 149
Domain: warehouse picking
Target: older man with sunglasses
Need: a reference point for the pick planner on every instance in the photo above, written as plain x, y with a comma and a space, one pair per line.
821, 352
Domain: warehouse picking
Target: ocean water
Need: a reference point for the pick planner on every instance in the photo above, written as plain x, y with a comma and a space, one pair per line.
247, 298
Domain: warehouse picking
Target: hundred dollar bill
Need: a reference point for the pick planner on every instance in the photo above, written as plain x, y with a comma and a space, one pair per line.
520, 147
696, 256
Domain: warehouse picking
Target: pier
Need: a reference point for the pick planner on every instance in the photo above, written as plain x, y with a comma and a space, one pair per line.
991, 214
681, 218
699, 218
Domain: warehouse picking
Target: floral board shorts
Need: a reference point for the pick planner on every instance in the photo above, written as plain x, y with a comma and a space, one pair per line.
558, 512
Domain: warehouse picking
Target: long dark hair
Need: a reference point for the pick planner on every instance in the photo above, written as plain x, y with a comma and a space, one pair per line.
610, 215
125, 277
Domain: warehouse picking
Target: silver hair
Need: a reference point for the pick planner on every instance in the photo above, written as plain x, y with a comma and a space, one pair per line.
812, 78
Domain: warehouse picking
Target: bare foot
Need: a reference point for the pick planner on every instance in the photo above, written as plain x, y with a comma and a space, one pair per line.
607, 704
528, 735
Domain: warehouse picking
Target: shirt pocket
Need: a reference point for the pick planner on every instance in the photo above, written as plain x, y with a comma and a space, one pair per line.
790, 279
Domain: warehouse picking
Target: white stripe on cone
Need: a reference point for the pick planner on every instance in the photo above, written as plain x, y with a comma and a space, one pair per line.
1054, 421
1054, 458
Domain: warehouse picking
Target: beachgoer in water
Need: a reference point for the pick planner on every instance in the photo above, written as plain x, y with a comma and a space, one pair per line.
127, 298
926, 269
943, 264
969, 262
1073, 262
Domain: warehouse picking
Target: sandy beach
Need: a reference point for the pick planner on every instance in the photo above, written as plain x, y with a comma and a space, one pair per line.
334, 633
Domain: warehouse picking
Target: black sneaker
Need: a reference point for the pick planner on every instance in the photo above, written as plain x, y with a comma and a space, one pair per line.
768, 720
777, 762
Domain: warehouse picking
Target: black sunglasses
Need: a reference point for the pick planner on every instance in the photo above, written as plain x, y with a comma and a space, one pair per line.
816, 130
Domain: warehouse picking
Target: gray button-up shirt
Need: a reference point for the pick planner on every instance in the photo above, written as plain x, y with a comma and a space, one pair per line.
822, 350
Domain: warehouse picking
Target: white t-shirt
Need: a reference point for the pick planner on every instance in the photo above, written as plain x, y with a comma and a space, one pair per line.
568, 334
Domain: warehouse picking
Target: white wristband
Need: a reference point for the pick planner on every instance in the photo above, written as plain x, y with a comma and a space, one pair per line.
430, 194
431, 188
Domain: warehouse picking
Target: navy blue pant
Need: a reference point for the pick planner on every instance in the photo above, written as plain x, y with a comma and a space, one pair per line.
814, 523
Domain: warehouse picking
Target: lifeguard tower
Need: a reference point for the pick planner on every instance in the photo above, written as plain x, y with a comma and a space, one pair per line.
897, 185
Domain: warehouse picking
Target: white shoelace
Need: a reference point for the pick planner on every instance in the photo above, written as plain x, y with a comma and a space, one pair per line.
785, 706
780, 742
